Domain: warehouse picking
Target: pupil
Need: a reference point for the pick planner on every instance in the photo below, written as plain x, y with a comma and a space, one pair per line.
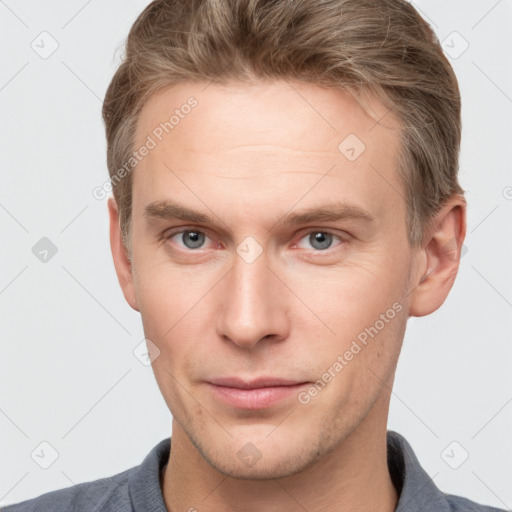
193, 239
320, 240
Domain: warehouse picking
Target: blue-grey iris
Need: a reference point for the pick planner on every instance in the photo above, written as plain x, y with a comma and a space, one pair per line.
320, 240
192, 239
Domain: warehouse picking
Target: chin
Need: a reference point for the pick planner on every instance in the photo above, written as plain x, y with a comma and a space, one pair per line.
262, 469
263, 459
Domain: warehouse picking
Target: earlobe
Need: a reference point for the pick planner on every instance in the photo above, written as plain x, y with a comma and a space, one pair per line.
122, 263
440, 257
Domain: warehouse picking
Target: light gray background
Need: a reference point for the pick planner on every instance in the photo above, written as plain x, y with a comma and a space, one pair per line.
68, 373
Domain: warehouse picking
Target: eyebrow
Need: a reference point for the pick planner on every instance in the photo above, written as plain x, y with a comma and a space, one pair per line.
169, 210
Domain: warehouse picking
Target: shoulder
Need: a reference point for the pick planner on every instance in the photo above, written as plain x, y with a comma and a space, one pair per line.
417, 491
99, 495
136, 488
460, 504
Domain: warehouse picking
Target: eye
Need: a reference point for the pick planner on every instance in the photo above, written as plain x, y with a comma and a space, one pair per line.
189, 239
319, 240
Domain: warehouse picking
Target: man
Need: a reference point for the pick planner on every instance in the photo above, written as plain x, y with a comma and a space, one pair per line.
285, 198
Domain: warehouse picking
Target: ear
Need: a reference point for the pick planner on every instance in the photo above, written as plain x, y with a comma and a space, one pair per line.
440, 256
122, 263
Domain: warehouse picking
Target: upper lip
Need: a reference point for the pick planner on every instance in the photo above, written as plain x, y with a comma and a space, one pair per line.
260, 382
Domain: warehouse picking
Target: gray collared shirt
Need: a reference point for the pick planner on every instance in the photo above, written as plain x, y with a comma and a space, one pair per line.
138, 489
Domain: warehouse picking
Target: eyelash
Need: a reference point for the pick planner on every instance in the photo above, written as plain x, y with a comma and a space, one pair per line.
167, 235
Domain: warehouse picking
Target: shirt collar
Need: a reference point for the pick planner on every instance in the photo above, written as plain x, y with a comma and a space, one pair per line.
417, 492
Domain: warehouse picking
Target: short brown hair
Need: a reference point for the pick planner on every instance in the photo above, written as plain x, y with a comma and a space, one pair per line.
378, 47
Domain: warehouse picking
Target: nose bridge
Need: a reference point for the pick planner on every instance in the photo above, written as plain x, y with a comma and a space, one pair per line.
253, 306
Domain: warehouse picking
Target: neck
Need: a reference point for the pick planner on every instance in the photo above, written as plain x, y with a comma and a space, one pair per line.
353, 476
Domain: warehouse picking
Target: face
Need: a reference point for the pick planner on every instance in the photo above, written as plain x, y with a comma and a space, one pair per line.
270, 265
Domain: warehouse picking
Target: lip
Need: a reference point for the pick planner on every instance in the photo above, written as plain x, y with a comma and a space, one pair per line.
258, 393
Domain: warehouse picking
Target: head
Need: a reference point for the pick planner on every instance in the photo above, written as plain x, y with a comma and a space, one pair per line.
285, 197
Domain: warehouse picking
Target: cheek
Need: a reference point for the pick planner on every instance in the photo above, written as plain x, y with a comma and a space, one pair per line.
178, 314
352, 375
343, 301
166, 292
356, 321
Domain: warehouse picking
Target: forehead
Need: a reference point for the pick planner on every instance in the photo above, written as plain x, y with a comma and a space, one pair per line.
267, 138
285, 109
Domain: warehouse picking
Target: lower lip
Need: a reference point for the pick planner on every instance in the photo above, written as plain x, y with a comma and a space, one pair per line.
259, 398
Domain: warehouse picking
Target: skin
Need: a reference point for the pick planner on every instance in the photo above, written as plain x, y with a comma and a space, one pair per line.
248, 155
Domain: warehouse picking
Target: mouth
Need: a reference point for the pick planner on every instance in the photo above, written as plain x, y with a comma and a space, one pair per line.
254, 394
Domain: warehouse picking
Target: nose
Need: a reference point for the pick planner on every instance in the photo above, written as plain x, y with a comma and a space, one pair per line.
254, 306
